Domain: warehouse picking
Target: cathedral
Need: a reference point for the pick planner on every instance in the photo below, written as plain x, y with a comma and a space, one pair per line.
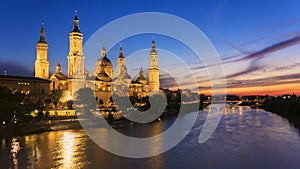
103, 80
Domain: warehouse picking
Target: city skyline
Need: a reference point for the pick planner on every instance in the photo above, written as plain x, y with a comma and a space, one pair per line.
259, 52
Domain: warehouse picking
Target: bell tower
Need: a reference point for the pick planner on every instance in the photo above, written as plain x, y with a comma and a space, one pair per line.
41, 64
153, 71
121, 61
75, 57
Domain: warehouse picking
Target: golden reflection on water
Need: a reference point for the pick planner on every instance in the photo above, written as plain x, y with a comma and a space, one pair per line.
241, 111
60, 149
68, 149
235, 110
15, 148
157, 161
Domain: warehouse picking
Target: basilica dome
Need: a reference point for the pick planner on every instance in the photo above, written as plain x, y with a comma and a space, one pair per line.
103, 61
103, 76
141, 79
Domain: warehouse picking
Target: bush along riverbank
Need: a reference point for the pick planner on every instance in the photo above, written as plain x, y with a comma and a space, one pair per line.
50, 124
288, 107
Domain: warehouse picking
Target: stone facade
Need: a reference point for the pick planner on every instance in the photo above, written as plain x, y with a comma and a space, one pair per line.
102, 80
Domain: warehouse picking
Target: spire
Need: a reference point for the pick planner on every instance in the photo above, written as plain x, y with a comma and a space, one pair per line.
76, 14
141, 72
121, 51
141, 79
153, 44
58, 67
58, 63
42, 35
103, 51
76, 22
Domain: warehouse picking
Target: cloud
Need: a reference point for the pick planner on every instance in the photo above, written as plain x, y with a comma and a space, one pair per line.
288, 67
262, 53
271, 49
167, 81
259, 54
275, 80
250, 69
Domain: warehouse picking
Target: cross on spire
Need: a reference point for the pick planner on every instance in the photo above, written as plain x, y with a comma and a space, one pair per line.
76, 12
141, 70
121, 49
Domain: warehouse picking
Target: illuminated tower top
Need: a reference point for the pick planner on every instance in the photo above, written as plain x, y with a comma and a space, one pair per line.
76, 57
42, 35
76, 23
153, 49
41, 64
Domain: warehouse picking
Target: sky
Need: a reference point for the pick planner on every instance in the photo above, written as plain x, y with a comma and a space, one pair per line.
257, 41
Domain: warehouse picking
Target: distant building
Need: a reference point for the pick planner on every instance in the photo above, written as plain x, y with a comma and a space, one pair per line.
102, 80
225, 98
254, 98
289, 96
26, 85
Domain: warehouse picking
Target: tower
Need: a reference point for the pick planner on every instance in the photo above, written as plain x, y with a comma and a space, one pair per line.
75, 57
75, 60
121, 61
41, 64
153, 71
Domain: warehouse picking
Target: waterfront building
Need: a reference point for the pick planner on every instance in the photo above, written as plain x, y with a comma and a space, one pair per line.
102, 80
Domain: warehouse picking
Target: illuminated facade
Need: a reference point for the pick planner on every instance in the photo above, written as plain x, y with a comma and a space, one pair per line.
102, 80
153, 71
41, 64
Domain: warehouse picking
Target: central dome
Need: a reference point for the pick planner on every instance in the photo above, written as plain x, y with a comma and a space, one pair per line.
103, 61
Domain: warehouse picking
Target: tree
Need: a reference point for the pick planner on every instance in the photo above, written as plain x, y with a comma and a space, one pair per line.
13, 107
55, 97
86, 100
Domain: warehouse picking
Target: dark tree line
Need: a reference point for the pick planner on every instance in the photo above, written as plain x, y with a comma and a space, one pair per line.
15, 107
286, 107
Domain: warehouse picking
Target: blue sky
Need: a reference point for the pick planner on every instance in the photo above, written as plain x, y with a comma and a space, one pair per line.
237, 29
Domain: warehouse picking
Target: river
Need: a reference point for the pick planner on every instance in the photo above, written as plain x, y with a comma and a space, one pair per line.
245, 138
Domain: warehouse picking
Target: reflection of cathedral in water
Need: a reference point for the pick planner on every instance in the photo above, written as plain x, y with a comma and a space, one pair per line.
103, 80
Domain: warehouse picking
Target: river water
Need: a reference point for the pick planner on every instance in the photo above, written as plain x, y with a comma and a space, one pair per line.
245, 138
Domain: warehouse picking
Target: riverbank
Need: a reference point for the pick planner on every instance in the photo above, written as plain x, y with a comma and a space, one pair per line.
288, 108
55, 124
39, 127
